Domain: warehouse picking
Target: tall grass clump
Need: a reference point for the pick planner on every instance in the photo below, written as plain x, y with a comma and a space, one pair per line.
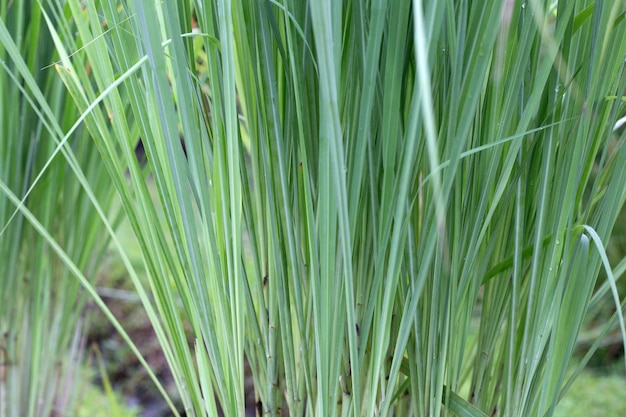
41, 303
387, 208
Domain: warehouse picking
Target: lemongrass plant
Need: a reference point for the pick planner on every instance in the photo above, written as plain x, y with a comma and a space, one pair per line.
41, 304
389, 208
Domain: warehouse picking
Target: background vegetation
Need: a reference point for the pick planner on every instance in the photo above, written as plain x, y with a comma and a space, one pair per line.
386, 208
44, 171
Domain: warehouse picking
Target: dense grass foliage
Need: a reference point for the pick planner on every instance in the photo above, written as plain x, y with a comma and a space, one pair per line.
41, 326
377, 203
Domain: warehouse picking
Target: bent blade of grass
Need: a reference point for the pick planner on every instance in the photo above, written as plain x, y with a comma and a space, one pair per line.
611, 279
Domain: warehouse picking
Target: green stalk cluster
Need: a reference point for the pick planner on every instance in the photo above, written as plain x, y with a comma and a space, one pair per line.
42, 339
385, 207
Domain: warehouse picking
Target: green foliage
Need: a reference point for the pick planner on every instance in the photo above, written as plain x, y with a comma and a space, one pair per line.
94, 403
41, 327
408, 165
594, 395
